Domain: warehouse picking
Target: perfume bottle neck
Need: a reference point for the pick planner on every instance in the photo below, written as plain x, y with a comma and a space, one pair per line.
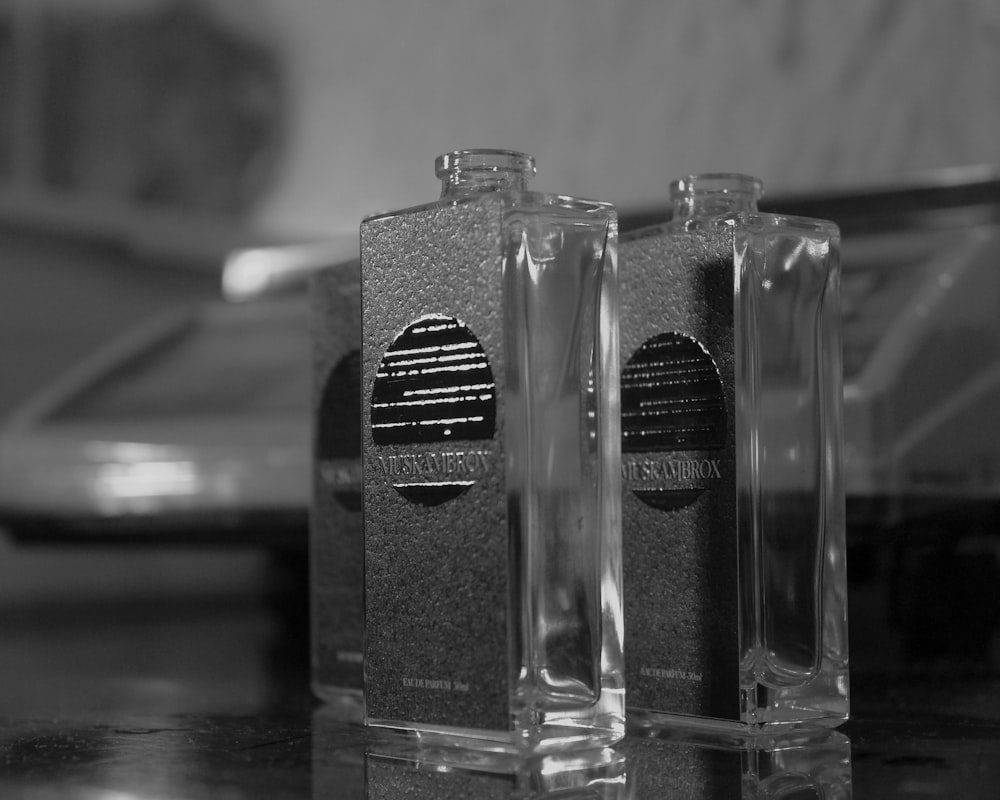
714, 193
474, 171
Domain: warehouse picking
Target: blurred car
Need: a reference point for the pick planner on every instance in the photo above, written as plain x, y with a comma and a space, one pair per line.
193, 427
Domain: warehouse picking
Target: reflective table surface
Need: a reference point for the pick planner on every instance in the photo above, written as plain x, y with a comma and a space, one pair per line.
209, 698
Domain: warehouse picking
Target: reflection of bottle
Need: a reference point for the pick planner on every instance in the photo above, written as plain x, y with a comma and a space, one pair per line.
733, 505
336, 543
815, 766
491, 457
337, 757
682, 761
444, 773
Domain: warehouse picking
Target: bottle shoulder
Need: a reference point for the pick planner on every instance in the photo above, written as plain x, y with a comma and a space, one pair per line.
519, 202
752, 222
791, 224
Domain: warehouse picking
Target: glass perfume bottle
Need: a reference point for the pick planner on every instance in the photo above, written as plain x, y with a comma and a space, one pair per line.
336, 536
491, 445
733, 508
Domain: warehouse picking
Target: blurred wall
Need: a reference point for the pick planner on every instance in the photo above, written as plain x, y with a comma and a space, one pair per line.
301, 116
614, 99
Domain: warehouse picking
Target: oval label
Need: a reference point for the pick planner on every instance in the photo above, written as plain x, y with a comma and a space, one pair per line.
673, 421
434, 386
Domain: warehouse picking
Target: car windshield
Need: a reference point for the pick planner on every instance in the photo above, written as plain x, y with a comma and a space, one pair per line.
245, 359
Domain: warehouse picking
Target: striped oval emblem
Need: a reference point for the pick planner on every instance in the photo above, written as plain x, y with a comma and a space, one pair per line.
434, 385
673, 418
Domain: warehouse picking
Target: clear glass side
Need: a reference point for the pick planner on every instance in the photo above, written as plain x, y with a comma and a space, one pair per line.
792, 537
562, 444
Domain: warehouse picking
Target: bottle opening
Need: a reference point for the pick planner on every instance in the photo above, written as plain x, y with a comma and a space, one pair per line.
715, 192
483, 170
718, 183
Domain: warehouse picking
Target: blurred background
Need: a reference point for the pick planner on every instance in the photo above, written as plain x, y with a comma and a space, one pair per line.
144, 142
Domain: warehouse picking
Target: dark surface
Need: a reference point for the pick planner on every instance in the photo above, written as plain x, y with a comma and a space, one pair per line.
209, 699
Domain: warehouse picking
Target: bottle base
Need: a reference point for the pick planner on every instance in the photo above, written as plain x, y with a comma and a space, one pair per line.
727, 734
454, 771
542, 740
734, 732
822, 702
